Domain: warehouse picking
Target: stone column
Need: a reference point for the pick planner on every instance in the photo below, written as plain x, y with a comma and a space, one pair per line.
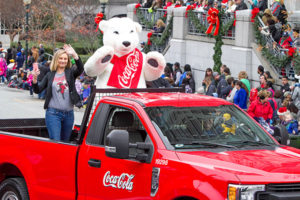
180, 23
117, 7
178, 50
130, 12
244, 35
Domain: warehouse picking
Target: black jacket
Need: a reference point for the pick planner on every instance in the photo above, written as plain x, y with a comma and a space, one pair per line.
191, 83
242, 6
159, 83
221, 87
262, 5
43, 71
71, 74
211, 89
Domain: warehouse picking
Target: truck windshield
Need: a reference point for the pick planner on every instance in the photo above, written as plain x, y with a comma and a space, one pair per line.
208, 127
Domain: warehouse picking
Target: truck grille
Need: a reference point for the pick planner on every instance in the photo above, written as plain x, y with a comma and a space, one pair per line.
293, 187
287, 189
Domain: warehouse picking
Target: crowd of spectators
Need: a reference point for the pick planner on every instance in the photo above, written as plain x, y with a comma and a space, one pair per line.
266, 103
15, 73
274, 18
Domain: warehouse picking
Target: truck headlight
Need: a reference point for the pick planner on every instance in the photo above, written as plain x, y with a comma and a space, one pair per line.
243, 192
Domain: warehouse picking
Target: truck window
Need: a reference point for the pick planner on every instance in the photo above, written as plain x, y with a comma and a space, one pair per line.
207, 127
95, 134
125, 119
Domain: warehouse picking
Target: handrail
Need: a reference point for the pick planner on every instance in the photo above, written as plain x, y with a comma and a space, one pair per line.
49, 56
279, 52
151, 16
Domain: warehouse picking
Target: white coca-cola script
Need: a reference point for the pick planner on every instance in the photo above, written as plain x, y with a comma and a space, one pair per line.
130, 70
124, 181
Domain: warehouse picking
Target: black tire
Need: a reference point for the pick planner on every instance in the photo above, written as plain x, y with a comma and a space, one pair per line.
14, 189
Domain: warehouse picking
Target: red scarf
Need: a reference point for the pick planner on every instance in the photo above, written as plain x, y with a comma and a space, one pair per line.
126, 70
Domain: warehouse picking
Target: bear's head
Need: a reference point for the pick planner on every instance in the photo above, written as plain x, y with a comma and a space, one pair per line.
121, 34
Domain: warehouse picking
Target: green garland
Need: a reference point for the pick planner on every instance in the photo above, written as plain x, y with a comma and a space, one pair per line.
145, 22
228, 26
276, 61
217, 57
158, 41
196, 22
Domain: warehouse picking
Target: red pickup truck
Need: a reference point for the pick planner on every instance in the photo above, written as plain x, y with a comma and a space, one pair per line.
151, 146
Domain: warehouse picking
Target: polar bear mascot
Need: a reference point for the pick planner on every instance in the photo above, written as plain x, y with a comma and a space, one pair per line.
118, 63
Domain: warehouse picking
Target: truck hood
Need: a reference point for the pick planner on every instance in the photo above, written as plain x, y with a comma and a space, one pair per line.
279, 165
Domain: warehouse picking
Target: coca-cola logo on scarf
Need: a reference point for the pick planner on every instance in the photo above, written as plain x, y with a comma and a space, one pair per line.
124, 181
129, 72
126, 70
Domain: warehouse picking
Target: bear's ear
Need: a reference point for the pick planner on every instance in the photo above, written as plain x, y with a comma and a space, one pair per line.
138, 27
103, 25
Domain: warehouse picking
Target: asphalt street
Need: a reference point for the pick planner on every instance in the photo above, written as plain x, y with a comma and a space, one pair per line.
17, 103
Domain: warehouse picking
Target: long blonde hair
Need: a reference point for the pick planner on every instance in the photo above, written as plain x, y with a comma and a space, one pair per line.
160, 23
54, 62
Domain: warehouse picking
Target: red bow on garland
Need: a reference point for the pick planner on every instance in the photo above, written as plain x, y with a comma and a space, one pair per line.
234, 22
255, 11
189, 7
291, 52
136, 7
149, 35
98, 19
213, 19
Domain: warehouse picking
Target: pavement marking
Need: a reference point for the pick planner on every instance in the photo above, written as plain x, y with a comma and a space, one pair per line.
26, 100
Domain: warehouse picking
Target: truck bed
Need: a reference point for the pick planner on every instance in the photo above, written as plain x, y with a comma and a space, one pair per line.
32, 127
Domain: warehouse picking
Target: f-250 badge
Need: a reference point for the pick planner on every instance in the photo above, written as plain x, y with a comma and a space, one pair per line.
124, 181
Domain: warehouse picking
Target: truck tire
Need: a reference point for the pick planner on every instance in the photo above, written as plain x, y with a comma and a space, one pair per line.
13, 189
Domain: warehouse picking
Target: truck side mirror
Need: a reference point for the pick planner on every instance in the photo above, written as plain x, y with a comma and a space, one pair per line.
117, 144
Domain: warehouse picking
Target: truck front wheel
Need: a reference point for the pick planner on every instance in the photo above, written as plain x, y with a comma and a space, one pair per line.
13, 189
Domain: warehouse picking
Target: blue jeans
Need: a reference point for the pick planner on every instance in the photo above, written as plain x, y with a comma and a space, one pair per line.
59, 124
26, 85
42, 94
2, 78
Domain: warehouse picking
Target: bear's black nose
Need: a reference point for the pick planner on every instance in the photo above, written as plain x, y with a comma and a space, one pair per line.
126, 43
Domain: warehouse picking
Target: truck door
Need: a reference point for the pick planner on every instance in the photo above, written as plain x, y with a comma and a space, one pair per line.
102, 177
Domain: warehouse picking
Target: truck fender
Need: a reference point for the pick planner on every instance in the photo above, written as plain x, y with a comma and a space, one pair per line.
194, 189
19, 166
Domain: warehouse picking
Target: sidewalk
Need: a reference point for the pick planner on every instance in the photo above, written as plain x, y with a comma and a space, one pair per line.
17, 103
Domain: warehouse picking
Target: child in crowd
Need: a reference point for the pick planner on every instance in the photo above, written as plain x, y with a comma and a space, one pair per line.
11, 69
287, 119
3, 69
14, 83
86, 90
28, 83
189, 83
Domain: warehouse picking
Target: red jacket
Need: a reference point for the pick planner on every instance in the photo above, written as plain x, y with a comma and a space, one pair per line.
257, 109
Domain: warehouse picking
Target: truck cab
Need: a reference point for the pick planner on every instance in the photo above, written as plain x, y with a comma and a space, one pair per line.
182, 146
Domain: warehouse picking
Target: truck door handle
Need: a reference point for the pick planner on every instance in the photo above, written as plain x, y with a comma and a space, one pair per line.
94, 163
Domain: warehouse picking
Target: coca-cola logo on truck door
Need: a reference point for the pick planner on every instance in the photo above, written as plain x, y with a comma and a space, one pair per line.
124, 181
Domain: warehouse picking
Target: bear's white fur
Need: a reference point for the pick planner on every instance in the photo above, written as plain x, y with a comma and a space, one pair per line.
116, 31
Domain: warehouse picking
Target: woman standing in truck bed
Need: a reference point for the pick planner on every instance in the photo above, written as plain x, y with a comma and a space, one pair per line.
61, 93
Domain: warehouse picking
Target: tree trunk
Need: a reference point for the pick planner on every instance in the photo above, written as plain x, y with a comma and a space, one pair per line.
12, 37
